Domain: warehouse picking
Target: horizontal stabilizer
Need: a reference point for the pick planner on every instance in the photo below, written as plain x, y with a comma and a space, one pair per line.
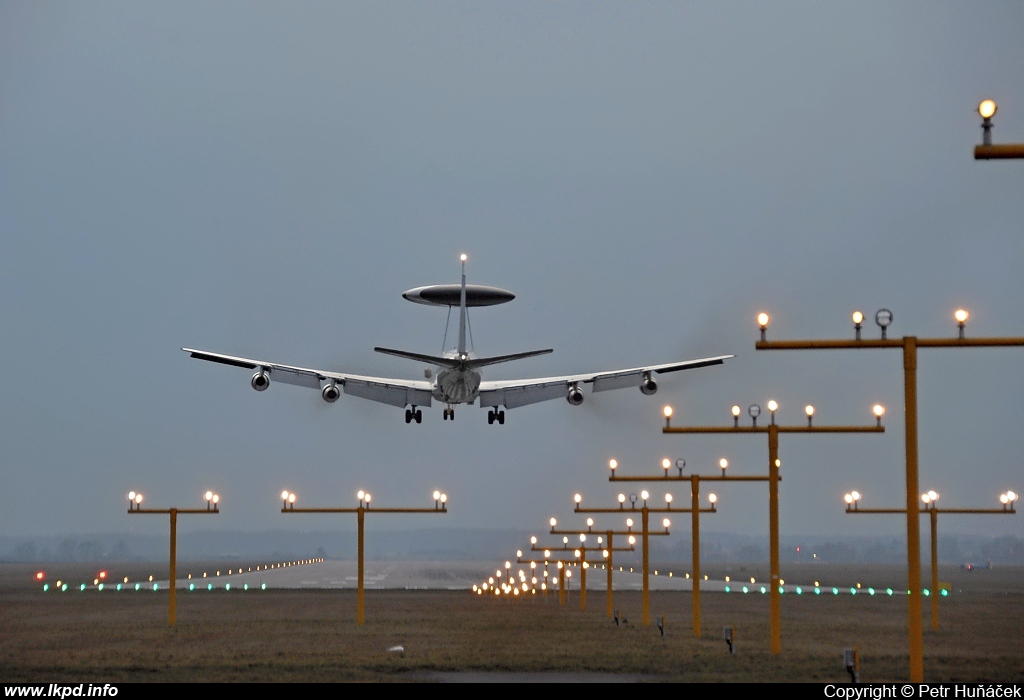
484, 361
433, 359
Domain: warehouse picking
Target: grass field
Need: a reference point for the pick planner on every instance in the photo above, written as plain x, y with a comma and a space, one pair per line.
296, 635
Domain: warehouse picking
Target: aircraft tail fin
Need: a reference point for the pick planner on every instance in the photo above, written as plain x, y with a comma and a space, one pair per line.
462, 311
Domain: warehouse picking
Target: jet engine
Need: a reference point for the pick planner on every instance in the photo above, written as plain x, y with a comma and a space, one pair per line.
649, 386
331, 393
575, 396
260, 381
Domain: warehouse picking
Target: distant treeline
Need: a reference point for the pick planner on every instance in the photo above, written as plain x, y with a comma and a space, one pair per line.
485, 545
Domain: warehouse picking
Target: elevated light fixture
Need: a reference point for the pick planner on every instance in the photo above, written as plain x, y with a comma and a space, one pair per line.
613, 465
754, 411
668, 415
961, 317
622, 500
852, 498
858, 319
762, 322
1008, 499
883, 317
735, 416
723, 463
879, 411
987, 110
773, 406
809, 410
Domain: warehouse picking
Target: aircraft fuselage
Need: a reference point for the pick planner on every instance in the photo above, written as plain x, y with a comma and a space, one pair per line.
456, 385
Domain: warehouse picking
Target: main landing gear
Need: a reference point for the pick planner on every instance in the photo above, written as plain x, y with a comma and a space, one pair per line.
495, 415
413, 414
449, 413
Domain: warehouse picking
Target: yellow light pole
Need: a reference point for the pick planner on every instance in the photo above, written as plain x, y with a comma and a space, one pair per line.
772, 430
909, 345
440, 506
135, 507
560, 565
928, 501
695, 510
645, 533
986, 151
607, 552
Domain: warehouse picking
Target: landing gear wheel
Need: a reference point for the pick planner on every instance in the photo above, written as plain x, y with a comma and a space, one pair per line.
501, 418
418, 415
408, 416
490, 418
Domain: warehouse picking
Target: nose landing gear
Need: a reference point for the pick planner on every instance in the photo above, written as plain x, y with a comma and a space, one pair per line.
449, 413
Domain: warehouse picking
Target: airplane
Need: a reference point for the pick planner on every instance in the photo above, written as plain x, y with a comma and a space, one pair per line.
456, 378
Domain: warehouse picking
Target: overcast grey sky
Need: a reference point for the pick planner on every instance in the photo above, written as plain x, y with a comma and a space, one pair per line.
265, 179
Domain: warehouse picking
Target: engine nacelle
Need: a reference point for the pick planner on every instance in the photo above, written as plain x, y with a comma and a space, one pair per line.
649, 386
331, 393
575, 396
260, 381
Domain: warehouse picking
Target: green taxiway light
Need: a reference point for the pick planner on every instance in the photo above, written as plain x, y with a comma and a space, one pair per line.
64, 588
99, 587
927, 592
853, 591
209, 586
227, 586
763, 590
138, 586
46, 587
82, 587
726, 589
817, 591
746, 590
156, 587
263, 586
889, 591
245, 586
119, 586
191, 586
944, 592
835, 591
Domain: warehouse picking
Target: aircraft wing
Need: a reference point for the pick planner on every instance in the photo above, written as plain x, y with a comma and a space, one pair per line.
395, 392
515, 393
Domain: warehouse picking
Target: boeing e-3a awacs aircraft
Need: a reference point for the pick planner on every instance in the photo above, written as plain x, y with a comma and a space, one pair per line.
457, 376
